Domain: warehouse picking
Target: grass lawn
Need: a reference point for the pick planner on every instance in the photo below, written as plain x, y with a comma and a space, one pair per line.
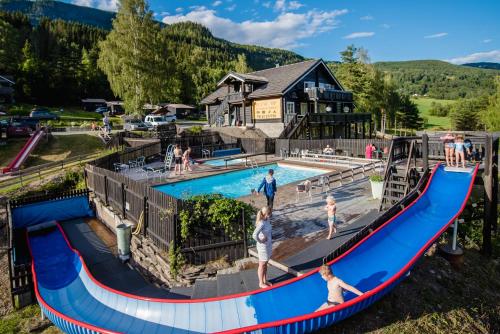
434, 122
63, 147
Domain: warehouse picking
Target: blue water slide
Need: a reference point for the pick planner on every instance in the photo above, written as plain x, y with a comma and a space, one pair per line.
78, 303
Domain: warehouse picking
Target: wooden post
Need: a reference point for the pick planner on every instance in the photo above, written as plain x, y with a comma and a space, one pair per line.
207, 112
425, 151
145, 218
490, 197
370, 130
124, 201
363, 135
356, 130
106, 190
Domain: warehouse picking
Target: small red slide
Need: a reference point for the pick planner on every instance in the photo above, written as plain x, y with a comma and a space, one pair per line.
25, 152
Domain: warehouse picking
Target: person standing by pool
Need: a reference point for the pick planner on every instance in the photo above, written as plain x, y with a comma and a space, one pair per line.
331, 209
187, 159
369, 149
263, 236
336, 288
178, 159
269, 185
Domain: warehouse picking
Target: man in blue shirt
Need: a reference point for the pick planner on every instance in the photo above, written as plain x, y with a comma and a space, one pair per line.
269, 185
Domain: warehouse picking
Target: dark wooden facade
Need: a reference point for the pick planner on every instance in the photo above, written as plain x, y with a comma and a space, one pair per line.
274, 100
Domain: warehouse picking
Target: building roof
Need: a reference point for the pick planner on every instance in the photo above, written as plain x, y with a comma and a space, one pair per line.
278, 79
179, 106
242, 77
93, 101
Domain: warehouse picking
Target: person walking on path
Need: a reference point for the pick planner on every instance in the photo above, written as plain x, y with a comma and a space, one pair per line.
331, 209
269, 185
263, 236
336, 288
178, 159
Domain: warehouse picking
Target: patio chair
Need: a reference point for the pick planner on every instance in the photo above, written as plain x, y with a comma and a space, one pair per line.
117, 167
141, 161
303, 188
295, 152
205, 153
132, 164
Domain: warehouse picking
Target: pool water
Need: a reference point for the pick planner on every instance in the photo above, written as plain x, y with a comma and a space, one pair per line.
238, 183
221, 162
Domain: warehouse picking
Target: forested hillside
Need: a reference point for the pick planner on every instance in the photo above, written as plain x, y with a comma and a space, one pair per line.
439, 79
55, 61
488, 65
36, 10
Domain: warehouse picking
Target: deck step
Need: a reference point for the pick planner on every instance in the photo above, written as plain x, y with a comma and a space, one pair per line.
229, 284
182, 292
395, 190
276, 264
399, 183
205, 288
392, 198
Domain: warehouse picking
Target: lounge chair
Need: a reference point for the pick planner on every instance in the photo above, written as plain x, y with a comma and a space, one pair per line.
303, 188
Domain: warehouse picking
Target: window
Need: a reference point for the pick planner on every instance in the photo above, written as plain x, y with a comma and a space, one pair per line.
290, 107
309, 84
303, 108
326, 86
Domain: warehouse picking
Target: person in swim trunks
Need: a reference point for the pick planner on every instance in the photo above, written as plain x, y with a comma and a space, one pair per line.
331, 208
336, 288
178, 159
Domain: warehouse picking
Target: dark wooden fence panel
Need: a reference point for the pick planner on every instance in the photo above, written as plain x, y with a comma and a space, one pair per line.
162, 218
351, 147
147, 150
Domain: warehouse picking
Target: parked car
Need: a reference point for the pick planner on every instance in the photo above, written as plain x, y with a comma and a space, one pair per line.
32, 123
43, 114
155, 120
19, 129
101, 110
134, 124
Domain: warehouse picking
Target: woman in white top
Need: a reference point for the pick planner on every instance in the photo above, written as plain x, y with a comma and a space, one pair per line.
263, 235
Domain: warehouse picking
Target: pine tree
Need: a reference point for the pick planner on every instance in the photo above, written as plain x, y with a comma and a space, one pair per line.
134, 60
490, 117
9, 48
408, 116
241, 65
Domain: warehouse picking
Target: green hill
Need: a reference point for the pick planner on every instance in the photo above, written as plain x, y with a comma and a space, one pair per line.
35, 10
439, 79
491, 66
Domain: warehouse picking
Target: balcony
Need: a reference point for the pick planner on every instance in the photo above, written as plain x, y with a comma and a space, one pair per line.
323, 94
234, 97
337, 118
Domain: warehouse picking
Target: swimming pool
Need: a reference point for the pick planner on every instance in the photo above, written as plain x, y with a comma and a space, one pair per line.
238, 183
222, 162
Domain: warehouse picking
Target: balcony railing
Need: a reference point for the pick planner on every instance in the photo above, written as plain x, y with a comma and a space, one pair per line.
235, 97
339, 118
324, 94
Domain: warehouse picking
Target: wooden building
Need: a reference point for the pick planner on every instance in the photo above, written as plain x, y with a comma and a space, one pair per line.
301, 100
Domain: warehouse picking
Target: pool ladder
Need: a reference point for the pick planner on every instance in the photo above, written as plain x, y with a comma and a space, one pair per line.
253, 164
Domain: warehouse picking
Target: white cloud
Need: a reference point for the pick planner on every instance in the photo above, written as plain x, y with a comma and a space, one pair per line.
488, 40
359, 35
293, 5
366, 18
280, 5
217, 3
267, 4
179, 9
109, 5
489, 56
231, 8
385, 26
438, 35
285, 31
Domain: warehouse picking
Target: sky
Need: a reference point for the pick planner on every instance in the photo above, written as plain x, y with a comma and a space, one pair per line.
457, 31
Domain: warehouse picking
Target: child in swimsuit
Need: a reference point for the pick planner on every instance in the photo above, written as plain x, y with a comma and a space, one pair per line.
449, 148
459, 150
331, 209
336, 288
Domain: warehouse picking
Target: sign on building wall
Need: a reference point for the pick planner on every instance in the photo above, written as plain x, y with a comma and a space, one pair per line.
267, 109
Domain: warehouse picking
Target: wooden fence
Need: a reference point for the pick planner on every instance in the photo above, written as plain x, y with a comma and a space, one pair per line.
350, 147
159, 212
251, 145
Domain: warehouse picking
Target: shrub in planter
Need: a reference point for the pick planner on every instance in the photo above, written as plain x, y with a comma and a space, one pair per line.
377, 184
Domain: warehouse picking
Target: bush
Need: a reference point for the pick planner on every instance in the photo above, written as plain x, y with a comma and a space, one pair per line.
195, 130
376, 178
72, 179
440, 110
215, 212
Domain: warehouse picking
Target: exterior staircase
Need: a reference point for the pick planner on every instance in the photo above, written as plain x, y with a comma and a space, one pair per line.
217, 117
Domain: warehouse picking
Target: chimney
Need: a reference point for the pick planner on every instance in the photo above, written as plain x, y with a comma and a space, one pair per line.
277, 65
